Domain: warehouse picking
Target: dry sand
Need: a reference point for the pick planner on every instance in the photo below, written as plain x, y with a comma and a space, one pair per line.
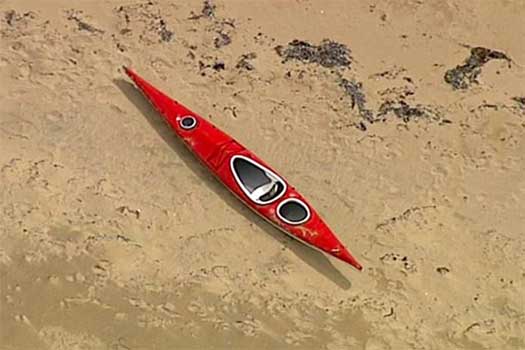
112, 236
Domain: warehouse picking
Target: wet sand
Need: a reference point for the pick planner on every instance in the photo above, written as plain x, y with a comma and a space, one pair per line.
406, 133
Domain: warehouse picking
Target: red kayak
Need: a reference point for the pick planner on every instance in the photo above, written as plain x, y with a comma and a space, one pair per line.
247, 176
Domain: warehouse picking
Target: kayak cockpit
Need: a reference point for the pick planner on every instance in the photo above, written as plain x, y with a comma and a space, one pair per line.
293, 211
260, 184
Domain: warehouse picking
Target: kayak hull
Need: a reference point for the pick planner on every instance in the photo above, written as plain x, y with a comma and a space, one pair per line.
221, 153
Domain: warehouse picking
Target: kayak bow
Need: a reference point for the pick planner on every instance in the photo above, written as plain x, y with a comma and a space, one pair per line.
254, 182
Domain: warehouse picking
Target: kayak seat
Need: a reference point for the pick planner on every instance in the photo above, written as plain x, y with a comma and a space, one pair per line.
258, 183
267, 192
276, 190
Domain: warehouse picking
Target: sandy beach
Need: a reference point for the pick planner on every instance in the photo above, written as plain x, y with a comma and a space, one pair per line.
402, 122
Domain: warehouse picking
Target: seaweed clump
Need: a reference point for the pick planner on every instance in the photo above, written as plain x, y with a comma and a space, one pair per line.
208, 10
398, 108
74, 15
328, 54
244, 61
463, 76
12, 17
355, 91
221, 40
520, 101
165, 34
406, 112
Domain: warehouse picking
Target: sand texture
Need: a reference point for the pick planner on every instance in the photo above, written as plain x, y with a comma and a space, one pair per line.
402, 122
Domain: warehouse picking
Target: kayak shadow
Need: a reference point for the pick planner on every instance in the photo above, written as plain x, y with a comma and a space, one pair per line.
312, 257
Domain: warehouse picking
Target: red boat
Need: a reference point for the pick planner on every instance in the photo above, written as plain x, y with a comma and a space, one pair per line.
247, 176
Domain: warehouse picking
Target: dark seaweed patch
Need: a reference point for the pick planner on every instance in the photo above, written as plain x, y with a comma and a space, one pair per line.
398, 259
406, 112
221, 40
244, 61
216, 65
12, 17
520, 100
400, 108
443, 270
81, 24
355, 91
328, 53
208, 10
159, 25
219, 65
165, 34
463, 76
